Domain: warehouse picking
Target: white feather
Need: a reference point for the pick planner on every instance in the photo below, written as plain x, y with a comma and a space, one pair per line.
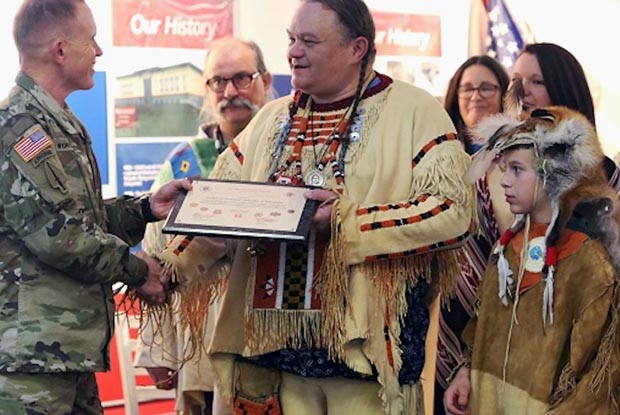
489, 125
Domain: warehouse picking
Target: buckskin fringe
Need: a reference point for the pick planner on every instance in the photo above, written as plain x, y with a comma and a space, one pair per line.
566, 384
149, 314
394, 277
448, 265
413, 397
192, 300
333, 280
410, 400
268, 329
606, 367
435, 176
160, 316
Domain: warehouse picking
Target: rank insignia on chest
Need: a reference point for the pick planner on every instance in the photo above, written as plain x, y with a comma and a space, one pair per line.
34, 142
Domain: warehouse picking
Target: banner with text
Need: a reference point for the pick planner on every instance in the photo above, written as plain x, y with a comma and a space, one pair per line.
407, 34
409, 47
171, 23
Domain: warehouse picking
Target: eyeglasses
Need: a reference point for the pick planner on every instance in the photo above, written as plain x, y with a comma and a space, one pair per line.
485, 90
241, 80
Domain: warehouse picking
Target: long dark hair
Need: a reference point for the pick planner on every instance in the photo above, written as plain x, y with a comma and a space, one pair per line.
564, 77
451, 101
567, 85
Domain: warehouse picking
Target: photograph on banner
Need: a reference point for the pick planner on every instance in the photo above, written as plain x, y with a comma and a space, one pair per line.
159, 101
160, 47
416, 43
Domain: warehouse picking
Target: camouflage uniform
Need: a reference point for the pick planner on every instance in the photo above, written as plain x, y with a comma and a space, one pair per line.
61, 245
69, 393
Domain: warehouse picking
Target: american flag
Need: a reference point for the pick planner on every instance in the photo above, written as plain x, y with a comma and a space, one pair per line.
504, 39
32, 144
494, 31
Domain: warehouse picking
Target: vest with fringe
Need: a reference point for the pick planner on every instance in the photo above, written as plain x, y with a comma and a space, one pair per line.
575, 359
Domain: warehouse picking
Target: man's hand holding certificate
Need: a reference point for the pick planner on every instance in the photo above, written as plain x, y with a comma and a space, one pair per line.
243, 210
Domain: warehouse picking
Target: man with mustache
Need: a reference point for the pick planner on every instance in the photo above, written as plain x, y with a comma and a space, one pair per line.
237, 85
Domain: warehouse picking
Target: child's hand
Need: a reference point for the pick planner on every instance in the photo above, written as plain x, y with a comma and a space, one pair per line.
456, 398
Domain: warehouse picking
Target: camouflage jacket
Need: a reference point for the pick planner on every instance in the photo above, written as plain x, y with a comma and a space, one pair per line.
61, 245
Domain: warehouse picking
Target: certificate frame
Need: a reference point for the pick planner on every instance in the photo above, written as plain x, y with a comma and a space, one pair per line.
234, 209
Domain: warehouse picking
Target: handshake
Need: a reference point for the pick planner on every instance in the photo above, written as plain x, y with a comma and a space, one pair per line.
160, 203
156, 287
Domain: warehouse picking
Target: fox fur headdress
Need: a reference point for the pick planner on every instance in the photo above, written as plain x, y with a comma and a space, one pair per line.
569, 161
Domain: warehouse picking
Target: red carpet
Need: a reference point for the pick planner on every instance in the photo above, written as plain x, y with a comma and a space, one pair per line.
110, 390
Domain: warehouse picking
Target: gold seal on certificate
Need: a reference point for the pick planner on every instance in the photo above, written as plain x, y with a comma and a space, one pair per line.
315, 178
243, 210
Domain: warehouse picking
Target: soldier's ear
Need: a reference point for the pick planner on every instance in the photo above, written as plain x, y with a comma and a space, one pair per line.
57, 50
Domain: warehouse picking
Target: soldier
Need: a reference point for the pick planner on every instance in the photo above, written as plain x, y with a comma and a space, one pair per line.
61, 245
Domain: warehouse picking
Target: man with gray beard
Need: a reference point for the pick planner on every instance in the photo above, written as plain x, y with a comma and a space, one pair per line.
237, 85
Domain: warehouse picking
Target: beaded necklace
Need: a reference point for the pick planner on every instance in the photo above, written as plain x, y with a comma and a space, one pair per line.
315, 176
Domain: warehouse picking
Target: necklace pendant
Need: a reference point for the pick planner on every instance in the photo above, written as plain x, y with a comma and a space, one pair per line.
535, 260
315, 178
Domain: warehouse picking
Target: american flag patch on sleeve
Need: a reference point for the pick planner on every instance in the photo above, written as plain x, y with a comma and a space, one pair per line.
34, 142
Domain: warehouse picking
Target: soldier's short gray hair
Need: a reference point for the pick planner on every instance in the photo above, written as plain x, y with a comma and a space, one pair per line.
36, 18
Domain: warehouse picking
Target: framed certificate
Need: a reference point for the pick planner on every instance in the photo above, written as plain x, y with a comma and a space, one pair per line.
243, 210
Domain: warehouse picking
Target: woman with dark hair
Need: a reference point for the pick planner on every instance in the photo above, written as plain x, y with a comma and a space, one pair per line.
475, 91
487, 77
551, 75
548, 75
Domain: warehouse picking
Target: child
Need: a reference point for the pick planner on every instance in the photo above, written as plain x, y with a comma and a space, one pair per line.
550, 346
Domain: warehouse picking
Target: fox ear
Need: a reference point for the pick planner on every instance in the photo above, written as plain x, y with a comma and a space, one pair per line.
543, 113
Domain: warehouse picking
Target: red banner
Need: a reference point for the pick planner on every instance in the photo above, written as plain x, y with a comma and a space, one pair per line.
125, 117
184, 24
407, 34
